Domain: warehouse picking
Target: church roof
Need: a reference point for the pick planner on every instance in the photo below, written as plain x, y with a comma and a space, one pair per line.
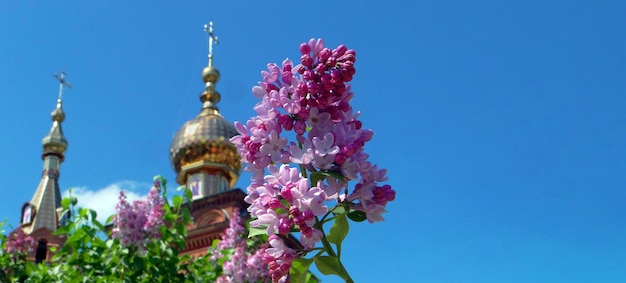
43, 209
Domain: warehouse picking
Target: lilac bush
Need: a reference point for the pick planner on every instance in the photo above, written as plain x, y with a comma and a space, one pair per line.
15, 248
19, 244
294, 182
145, 245
140, 222
245, 263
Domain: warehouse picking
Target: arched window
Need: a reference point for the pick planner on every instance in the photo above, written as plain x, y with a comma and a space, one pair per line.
28, 212
42, 251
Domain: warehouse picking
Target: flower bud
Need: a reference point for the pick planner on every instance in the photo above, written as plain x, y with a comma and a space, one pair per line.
301, 89
320, 67
306, 60
274, 203
340, 158
339, 51
300, 69
305, 48
324, 55
331, 62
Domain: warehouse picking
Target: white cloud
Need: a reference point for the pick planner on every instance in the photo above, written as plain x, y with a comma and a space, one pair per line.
103, 200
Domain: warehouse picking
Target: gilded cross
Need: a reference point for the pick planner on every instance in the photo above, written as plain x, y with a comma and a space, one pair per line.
62, 83
212, 38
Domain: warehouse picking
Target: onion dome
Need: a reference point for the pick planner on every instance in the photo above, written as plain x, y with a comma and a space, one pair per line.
203, 143
55, 142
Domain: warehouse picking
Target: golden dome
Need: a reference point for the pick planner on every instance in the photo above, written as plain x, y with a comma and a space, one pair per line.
204, 141
206, 138
55, 142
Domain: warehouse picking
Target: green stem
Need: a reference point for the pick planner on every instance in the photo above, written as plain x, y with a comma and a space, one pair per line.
303, 171
331, 252
324, 220
329, 219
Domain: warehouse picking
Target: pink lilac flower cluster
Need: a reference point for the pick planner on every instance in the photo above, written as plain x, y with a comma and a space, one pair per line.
279, 258
312, 99
245, 265
139, 223
19, 244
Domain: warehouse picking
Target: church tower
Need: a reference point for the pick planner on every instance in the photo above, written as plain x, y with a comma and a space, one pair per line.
207, 162
44, 214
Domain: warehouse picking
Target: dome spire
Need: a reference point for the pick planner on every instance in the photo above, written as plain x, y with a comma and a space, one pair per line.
201, 153
212, 38
55, 143
210, 97
44, 210
62, 83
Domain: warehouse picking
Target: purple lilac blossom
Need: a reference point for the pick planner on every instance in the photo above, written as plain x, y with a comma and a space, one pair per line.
139, 223
19, 244
311, 99
245, 264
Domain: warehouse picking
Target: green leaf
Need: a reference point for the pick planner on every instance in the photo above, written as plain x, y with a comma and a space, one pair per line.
159, 178
139, 263
254, 231
339, 210
316, 177
93, 213
357, 216
328, 265
188, 194
300, 269
61, 230
78, 235
339, 230
109, 220
177, 201
65, 203
181, 229
163, 182
281, 210
310, 278
186, 215
321, 176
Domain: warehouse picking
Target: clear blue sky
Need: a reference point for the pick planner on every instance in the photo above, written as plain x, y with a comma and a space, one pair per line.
502, 123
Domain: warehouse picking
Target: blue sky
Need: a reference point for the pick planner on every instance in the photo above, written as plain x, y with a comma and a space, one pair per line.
501, 123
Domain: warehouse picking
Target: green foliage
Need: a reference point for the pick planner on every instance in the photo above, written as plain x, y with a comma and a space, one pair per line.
330, 265
339, 231
257, 231
357, 216
91, 255
13, 267
327, 258
317, 176
299, 270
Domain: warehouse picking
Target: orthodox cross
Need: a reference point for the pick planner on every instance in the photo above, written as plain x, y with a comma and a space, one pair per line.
62, 83
212, 38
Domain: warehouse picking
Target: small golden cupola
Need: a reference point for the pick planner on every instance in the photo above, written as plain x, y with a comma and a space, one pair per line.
201, 153
55, 142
